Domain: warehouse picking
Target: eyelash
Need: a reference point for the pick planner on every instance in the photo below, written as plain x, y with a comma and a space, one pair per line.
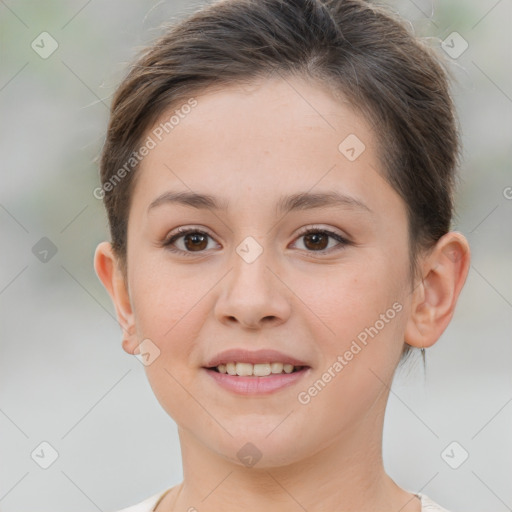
342, 242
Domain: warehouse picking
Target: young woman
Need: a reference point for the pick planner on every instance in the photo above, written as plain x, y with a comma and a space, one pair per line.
278, 177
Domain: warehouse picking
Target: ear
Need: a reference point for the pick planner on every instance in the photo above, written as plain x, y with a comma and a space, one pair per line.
445, 270
108, 269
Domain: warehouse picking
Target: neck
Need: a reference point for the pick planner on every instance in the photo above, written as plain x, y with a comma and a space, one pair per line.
346, 474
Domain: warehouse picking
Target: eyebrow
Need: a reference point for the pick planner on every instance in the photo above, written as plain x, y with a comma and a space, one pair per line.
299, 201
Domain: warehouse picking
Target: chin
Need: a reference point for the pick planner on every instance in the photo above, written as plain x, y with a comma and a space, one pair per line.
260, 446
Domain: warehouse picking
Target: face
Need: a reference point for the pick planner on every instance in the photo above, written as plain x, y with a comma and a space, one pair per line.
298, 255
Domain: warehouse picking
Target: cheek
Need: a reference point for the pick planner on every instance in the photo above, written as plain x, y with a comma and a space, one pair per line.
173, 326
353, 303
368, 318
164, 301
170, 310
360, 339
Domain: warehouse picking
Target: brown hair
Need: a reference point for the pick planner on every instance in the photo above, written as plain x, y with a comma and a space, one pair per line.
352, 46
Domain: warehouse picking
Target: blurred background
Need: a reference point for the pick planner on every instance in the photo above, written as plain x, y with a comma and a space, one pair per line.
72, 400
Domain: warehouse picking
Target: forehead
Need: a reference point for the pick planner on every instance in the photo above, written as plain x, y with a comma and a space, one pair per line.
269, 111
259, 138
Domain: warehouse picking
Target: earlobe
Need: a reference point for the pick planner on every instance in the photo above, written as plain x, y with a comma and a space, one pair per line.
434, 299
109, 272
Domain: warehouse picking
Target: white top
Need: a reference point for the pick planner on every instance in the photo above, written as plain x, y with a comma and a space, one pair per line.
149, 504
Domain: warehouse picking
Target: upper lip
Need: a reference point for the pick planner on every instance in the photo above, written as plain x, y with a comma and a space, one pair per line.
237, 355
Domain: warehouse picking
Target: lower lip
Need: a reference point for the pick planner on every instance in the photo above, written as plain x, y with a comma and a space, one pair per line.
257, 385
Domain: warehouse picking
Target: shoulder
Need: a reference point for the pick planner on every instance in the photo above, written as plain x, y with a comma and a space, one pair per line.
148, 505
427, 505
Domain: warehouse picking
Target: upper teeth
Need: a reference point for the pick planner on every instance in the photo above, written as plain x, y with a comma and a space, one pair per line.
259, 370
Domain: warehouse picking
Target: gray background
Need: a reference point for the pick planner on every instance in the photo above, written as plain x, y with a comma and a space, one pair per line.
64, 377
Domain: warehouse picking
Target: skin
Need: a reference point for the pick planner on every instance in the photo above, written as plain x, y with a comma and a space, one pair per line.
249, 146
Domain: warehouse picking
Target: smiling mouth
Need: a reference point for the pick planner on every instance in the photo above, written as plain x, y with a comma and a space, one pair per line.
256, 370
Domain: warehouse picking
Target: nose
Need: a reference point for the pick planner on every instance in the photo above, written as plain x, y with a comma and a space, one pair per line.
252, 296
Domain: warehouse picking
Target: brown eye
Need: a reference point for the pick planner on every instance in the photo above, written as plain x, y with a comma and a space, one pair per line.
188, 241
321, 241
195, 241
316, 241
